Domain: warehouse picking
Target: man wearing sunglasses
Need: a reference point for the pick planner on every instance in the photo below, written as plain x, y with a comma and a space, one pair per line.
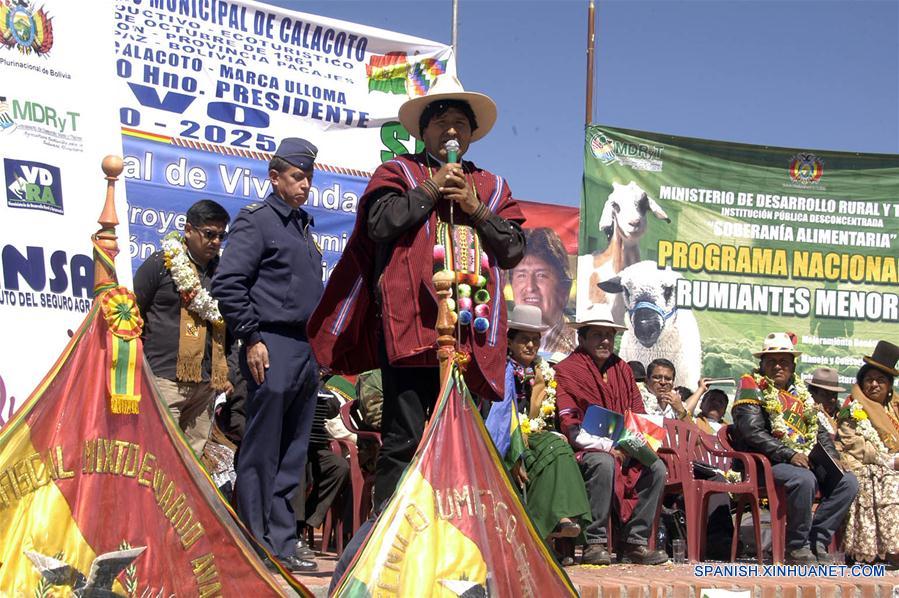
185, 350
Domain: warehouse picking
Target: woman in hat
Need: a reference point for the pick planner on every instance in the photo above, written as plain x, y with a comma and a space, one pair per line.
868, 440
546, 469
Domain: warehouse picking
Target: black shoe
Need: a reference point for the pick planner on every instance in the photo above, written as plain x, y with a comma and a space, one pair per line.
641, 555
801, 556
826, 558
303, 551
595, 554
293, 564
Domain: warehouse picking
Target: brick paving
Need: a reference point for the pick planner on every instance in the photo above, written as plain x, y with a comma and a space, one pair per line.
681, 581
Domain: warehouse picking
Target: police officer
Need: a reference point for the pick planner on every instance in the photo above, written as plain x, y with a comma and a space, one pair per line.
268, 282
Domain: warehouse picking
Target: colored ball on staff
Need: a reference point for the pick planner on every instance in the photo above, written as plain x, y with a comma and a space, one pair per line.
482, 281
485, 262
439, 253
481, 325
465, 317
464, 290
451, 304
465, 303
482, 310
455, 317
482, 296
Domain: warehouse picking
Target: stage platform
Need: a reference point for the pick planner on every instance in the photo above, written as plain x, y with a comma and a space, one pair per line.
681, 581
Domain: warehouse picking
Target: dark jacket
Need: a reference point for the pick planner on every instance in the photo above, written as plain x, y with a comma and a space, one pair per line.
752, 432
270, 273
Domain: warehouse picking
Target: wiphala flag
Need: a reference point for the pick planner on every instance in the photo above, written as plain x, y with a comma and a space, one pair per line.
99, 492
455, 526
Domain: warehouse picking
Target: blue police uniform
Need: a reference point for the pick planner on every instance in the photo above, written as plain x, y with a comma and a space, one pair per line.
268, 282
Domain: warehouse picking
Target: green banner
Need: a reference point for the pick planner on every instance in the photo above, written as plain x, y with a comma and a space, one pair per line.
703, 247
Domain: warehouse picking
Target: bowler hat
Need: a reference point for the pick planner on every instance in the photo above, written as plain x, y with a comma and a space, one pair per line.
826, 378
528, 318
884, 358
298, 152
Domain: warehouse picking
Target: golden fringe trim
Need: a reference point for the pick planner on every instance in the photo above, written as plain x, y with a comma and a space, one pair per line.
746, 402
188, 368
121, 404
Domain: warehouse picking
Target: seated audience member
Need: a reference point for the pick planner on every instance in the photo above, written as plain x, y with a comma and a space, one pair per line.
868, 440
775, 415
824, 387
711, 410
543, 279
547, 469
326, 472
594, 375
660, 383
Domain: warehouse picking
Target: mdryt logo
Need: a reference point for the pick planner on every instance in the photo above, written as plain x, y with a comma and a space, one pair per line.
806, 169
603, 149
33, 185
24, 28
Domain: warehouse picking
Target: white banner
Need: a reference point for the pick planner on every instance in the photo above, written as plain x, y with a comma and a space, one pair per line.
243, 75
57, 122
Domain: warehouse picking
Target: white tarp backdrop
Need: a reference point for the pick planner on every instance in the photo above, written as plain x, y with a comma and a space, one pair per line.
58, 119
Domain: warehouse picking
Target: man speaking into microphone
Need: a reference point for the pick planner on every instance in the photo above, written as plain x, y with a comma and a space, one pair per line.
422, 213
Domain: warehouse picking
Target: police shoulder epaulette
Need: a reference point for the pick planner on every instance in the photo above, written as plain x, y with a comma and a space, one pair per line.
746, 402
252, 207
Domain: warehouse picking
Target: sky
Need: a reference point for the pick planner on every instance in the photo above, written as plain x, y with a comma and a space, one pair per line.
804, 74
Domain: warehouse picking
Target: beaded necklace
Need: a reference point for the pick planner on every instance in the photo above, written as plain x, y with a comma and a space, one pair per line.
458, 249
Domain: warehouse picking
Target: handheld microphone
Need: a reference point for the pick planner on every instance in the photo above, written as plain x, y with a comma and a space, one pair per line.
452, 151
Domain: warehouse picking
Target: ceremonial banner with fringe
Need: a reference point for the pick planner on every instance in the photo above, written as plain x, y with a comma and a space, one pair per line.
93, 501
455, 525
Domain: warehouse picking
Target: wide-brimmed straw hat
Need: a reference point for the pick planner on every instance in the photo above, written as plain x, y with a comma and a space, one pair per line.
448, 87
779, 342
528, 318
885, 357
826, 378
600, 315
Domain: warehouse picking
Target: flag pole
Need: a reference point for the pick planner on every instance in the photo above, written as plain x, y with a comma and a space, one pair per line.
456, 32
591, 43
105, 240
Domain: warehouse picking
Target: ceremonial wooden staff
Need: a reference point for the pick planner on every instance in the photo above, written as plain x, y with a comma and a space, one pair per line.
446, 342
105, 240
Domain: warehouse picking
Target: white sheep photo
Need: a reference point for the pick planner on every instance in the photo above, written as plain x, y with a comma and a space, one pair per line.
656, 326
623, 222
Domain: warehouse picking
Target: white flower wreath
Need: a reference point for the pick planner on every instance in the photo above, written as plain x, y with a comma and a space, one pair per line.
864, 427
186, 280
772, 405
547, 406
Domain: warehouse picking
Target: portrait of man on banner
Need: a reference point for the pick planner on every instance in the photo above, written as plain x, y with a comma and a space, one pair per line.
543, 278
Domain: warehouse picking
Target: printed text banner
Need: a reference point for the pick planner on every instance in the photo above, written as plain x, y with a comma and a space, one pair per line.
757, 239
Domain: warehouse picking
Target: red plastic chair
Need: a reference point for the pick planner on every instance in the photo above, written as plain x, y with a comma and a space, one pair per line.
362, 482
684, 444
777, 502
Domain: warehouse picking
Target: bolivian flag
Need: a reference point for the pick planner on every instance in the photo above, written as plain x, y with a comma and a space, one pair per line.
455, 526
93, 501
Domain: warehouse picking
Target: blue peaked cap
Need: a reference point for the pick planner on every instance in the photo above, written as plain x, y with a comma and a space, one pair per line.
298, 152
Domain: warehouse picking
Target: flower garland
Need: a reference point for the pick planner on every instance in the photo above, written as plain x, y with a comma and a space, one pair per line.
772, 405
547, 406
197, 299
863, 424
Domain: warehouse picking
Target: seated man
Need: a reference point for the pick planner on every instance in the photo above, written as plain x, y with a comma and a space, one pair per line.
660, 375
711, 411
824, 386
775, 415
593, 375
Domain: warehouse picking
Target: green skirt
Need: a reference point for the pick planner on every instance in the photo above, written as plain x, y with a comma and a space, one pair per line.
555, 488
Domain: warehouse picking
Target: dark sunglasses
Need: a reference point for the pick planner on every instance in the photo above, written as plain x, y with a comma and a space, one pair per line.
211, 235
